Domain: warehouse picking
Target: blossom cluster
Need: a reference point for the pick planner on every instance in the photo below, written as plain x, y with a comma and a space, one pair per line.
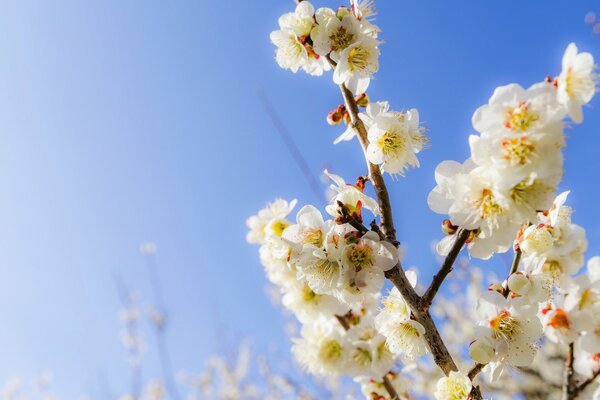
330, 275
516, 160
331, 272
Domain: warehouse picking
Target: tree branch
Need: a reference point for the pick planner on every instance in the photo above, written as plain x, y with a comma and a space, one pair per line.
569, 373
445, 269
579, 389
387, 383
514, 267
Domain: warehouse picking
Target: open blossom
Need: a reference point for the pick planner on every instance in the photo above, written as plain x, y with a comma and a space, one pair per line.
357, 64
554, 245
351, 196
512, 326
308, 305
404, 336
367, 258
514, 110
455, 386
270, 221
293, 49
577, 81
394, 140
323, 348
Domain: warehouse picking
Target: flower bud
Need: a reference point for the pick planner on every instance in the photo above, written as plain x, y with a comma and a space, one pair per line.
342, 12
496, 287
481, 351
448, 228
519, 283
334, 117
347, 118
362, 100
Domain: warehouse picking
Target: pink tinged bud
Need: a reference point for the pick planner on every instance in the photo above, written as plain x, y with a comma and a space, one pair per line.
496, 287
448, 228
362, 100
481, 351
342, 12
519, 283
347, 118
334, 117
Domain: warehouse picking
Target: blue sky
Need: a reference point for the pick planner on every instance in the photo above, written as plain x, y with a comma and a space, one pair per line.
123, 122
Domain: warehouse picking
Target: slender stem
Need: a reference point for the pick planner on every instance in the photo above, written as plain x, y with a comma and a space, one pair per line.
585, 384
473, 372
514, 267
387, 383
445, 269
396, 275
569, 373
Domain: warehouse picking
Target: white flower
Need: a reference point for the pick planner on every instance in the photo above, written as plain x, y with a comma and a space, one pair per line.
404, 336
322, 349
300, 22
367, 259
512, 109
394, 140
456, 386
576, 82
293, 50
512, 326
357, 64
308, 305
332, 36
351, 196
270, 221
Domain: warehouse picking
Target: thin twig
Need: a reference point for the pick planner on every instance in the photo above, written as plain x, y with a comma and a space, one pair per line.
579, 389
569, 373
445, 269
387, 383
514, 267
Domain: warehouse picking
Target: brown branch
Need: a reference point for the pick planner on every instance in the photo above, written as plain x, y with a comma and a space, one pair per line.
514, 267
579, 389
569, 373
434, 341
387, 383
445, 269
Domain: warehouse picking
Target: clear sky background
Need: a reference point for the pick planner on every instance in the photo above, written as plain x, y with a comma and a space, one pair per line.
130, 121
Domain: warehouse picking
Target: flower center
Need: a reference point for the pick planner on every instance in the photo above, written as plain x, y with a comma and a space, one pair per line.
313, 236
588, 299
504, 326
341, 39
517, 151
520, 118
487, 204
361, 256
308, 295
392, 143
560, 320
279, 226
358, 59
331, 351
362, 356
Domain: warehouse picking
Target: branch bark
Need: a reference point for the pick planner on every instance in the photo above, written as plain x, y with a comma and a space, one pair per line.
445, 269
435, 343
569, 373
